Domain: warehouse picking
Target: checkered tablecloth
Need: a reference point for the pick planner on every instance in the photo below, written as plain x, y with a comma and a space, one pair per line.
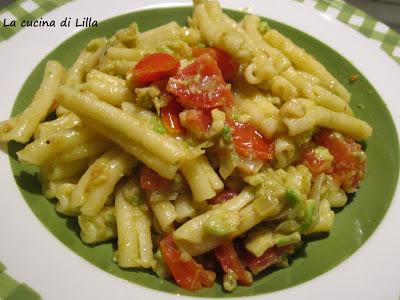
386, 38
10, 289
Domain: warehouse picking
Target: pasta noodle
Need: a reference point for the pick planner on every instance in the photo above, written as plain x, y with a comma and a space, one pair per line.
88, 149
98, 182
301, 115
251, 25
285, 150
184, 208
63, 122
99, 228
192, 236
315, 92
152, 161
165, 147
201, 177
61, 170
116, 53
164, 211
133, 225
110, 89
42, 149
63, 195
50, 187
306, 62
86, 61
22, 127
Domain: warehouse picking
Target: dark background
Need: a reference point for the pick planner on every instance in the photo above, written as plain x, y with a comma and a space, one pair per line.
387, 11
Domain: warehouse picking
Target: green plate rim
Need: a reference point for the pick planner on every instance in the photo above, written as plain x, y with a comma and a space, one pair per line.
216, 292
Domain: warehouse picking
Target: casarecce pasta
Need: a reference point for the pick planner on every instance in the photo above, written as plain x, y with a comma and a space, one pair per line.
220, 137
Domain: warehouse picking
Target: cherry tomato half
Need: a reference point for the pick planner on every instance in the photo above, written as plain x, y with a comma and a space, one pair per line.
154, 67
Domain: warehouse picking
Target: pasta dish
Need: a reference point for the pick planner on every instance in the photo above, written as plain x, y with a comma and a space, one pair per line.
204, 151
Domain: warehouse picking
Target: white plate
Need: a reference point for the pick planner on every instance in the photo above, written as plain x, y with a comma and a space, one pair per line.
32, 255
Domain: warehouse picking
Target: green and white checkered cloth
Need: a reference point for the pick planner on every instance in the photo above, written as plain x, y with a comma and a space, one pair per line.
25, 10
387, 38
10, 289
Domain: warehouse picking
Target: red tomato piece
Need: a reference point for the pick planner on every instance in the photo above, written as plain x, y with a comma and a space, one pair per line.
229, 261
250, 143
187, 273
198, 119
150, 180
225, 62
349, 160
170, 117
222, 196
315, 164
200, 85
154, 67
270, 257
